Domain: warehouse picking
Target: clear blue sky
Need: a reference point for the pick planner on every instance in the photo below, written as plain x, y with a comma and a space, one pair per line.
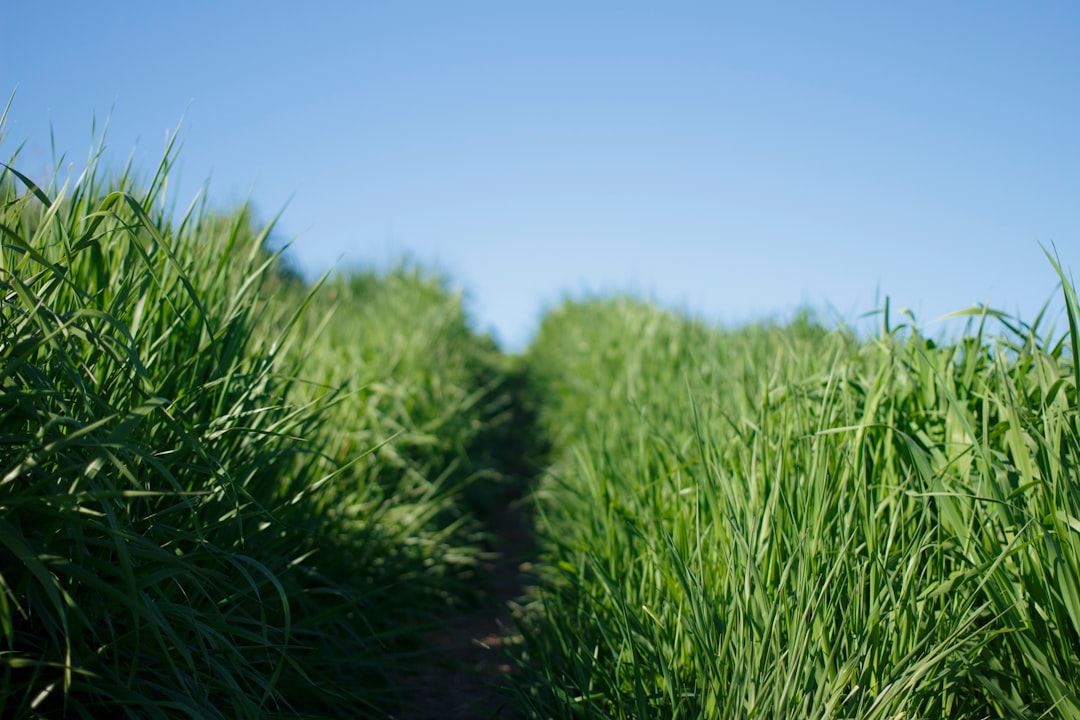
735, 159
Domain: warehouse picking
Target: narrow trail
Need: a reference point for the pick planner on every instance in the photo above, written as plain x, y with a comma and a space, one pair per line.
468, 670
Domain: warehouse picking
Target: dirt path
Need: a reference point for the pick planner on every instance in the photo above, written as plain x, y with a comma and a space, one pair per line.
469, 668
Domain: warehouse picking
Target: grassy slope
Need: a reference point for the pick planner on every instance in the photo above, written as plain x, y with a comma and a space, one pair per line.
211, 503
783, 522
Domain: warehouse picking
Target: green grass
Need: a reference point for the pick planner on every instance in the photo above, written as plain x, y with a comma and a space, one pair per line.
229, 493
222, 493
788, 522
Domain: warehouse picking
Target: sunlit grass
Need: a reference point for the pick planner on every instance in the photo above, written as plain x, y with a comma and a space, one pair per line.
788, 522
227, 492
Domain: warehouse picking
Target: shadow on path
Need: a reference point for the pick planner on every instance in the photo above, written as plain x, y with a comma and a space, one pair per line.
468, 667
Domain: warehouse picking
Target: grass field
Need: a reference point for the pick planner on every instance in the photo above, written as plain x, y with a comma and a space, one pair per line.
226, 492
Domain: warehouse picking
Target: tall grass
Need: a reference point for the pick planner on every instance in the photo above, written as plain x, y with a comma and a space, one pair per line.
422, 386
226, 493
211, 503
787, 522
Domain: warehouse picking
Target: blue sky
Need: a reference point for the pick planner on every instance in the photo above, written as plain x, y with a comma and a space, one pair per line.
733, 159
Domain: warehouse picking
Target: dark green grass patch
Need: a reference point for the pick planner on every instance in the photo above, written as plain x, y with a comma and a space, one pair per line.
222, 493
